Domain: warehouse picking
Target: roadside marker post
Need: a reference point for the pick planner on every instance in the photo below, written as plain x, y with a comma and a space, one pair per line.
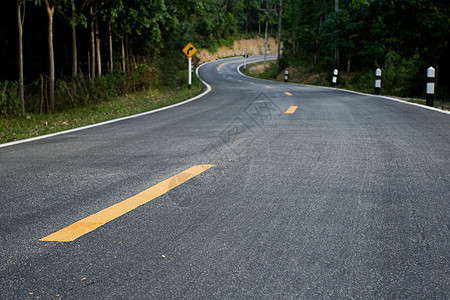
335, 76
245, 61
377, 81
286, 76
189, 50
431, 72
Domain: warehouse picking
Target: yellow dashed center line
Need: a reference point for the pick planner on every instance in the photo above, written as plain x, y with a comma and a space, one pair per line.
291, 110
218, 68
86, 225
267, 86
287, 93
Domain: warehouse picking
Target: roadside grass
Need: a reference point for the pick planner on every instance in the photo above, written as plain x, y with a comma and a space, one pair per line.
31, 125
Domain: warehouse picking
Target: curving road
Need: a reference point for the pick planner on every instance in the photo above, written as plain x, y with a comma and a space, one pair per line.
257, 190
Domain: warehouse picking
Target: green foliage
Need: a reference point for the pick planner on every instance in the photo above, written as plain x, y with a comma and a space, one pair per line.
9, 99
81, 91
31, 125
399, 74
364, 81
402, 37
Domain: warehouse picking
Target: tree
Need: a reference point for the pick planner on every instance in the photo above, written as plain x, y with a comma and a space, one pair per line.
280, 13
50, 8
348, 25
96, 60
20, 11
110, 13
72, 13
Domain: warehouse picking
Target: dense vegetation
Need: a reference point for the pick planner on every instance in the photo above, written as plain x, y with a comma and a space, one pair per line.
402, 37
80, 52
60, 54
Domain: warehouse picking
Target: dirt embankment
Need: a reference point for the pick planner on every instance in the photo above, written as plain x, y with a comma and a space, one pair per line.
254, 46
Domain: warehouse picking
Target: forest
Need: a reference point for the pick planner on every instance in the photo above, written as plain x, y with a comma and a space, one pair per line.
401, 37
59, 54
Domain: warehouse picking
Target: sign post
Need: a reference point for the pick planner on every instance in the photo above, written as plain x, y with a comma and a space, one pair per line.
189, 50
189, 72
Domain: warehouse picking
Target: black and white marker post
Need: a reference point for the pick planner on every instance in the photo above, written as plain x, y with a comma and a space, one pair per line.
335, 76
286, 76
189, 72
377, 81
245, 61
430, 86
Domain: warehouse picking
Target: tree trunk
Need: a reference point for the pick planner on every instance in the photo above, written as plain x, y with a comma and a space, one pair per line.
92, 43
20, 20
336, 53
42, 93
436, 79
293, 47
129, 50
51, 94
265, 43
89, 65
74, 52
279, 36
123, 56
349, 58
111, 59
74, 43
97, 44
246, 24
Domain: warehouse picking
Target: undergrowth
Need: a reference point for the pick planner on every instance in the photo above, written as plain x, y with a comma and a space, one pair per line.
82, 101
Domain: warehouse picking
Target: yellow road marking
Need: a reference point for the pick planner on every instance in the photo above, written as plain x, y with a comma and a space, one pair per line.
225, 63
267, 86
218, 68
287, 93
86, 225
291, 110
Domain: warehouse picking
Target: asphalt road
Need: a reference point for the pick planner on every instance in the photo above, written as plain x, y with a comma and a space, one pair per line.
347, 196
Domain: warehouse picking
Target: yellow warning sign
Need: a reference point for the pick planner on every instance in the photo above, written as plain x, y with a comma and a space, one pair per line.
189, 50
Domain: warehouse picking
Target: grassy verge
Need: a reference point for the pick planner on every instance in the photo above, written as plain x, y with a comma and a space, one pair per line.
32, 125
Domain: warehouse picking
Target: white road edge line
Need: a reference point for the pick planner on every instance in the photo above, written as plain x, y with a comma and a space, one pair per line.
348, 91
208, 89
